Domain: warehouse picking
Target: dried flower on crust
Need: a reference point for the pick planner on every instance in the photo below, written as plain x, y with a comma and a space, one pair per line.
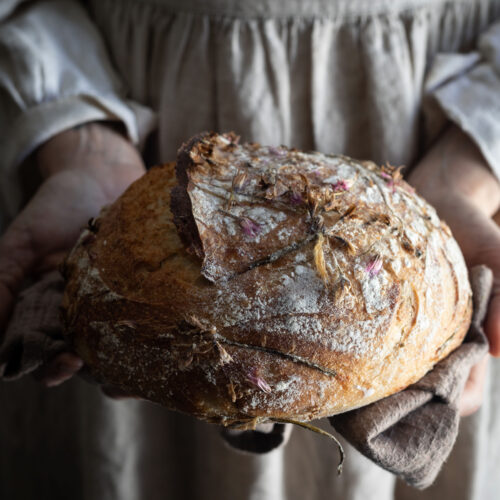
343, 243
342, 285
258, 381
225, 357
348, 212
239, 181
393, 176
342, 185
277, 151
232, 392
194, 321
332, 205
296, 198
249, 227
319, 258
374, 266
275, 191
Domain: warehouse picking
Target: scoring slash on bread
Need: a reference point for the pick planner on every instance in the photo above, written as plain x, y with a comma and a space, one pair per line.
248, 283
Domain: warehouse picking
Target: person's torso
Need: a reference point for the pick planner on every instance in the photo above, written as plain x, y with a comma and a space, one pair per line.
342, 76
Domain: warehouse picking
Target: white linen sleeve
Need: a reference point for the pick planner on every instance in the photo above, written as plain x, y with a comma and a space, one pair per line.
54, 74
466, 90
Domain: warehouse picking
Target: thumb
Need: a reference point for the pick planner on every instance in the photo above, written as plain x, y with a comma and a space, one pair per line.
17, 259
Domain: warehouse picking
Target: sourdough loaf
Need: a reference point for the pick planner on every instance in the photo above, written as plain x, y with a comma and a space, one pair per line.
246, 283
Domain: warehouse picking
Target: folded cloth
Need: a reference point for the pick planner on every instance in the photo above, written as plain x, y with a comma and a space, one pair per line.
410, 433
34, 334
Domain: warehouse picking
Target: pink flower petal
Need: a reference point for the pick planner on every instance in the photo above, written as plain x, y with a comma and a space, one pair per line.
277, 151
259, 382
341, 185
240, 181
391, 183
296, 199
249, 227
374, 266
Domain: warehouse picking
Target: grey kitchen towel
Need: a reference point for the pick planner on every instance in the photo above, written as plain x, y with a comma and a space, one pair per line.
34, 334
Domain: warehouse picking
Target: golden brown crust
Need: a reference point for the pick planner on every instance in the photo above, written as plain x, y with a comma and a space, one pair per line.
373, 296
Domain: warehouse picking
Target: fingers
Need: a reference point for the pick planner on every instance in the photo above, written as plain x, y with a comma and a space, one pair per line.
98, 149
472, 397
60, 369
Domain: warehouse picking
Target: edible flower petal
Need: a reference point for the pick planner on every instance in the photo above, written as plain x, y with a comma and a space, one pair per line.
249, 227
374, 266
258, 381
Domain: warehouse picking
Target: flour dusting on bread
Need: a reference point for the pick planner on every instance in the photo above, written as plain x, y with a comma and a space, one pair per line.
256, 282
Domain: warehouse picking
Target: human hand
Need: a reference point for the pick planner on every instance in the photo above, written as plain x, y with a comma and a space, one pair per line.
456, 180
84, 169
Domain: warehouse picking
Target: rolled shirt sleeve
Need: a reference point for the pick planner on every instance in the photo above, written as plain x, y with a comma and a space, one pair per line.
465, 88
54, 74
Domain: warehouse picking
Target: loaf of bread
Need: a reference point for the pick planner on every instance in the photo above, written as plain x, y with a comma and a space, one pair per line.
248, 283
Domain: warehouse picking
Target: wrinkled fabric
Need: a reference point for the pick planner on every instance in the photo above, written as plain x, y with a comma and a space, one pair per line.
333, 75
471, 100
34, 334
54, 75
342, 76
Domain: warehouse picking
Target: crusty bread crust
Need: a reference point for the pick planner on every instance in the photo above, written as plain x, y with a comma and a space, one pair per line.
286, 285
